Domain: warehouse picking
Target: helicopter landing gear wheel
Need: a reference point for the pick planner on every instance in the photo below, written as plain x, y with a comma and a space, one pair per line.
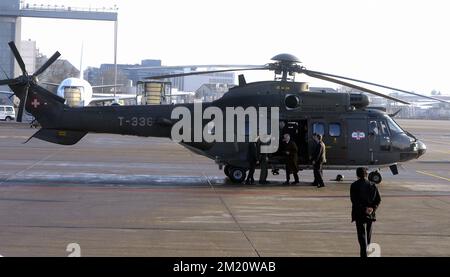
375, 177
340, 178
226, 170
236, 174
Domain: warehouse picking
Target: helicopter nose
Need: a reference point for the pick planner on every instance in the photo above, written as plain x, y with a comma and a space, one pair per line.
421, 148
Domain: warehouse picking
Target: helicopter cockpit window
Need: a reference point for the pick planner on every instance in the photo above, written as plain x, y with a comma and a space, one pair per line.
384, 128
334, 130
393, 126
318, 128
373, 128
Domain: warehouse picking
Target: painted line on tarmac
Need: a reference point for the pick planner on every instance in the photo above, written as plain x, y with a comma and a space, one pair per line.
14, 137
433, 175
252, 245
435, 141
440, 151
30, 167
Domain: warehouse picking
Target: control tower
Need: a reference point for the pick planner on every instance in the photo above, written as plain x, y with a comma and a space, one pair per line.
11, 12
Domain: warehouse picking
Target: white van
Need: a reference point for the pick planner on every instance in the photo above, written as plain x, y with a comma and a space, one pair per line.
7, 113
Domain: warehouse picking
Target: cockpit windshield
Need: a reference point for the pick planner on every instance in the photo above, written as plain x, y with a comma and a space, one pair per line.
393, 126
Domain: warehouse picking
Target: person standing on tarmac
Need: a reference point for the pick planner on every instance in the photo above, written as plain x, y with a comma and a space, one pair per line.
291, 153
263, 163
365, 199
252, 159
318, 159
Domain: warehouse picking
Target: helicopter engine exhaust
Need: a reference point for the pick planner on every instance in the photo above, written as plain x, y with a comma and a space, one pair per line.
359, 100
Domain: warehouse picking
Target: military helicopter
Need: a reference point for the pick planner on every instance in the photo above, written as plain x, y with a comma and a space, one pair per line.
355, 134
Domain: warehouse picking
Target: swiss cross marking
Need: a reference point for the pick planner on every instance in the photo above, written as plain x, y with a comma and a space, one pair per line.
35, 103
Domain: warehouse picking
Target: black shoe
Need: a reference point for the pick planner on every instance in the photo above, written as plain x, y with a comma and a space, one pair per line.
320, 186
286, 183
295, 183
264, 182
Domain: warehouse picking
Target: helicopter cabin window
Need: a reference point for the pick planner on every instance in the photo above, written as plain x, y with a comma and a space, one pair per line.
318, 128
334, 129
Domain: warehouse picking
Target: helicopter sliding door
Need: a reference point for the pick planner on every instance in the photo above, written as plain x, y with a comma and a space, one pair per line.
379, 139
298, 131
334, 138
357, 137
335, 142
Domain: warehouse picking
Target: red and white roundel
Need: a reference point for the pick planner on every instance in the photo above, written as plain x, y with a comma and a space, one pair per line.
358, 135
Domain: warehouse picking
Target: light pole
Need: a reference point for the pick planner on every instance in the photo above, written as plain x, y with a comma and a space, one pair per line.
115, 54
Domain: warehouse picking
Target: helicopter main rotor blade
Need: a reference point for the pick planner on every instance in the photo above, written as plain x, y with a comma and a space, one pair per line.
374, 84
195, 66
47, 64
325, 78
19, 60
203, 72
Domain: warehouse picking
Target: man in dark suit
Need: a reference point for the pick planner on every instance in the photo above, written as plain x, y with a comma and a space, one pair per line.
318, 159
263, 162
290, 151
252, 159
365, 199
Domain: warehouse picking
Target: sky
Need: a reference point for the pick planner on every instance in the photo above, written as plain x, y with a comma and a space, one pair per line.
404, 44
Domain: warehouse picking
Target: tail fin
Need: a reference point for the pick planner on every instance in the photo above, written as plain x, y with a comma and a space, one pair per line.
45, 106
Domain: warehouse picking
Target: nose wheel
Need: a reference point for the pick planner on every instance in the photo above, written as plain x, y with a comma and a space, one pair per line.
235, 174
375, 177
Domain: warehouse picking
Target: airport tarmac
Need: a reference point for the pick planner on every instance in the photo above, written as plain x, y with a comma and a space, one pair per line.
129, 196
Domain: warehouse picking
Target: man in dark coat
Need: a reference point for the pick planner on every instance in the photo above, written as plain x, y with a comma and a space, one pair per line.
263, 162
365, 201
291, 154
252, 158
318, 159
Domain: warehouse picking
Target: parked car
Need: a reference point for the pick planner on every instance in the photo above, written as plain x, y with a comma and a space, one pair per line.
7, 113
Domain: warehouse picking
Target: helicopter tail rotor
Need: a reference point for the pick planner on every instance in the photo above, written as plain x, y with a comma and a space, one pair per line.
17, 56
24, 82
47, 64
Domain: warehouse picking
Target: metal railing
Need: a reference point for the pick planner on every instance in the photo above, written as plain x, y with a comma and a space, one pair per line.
62, 8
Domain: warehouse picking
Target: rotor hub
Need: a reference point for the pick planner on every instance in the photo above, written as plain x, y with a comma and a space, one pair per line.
288, 58
285, 67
